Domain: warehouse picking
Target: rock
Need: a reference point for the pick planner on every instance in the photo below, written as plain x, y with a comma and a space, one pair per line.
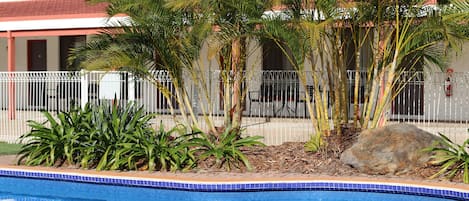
392, 149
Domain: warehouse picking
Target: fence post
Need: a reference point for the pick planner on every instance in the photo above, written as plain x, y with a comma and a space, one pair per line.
84, 88
131, 88
194, 96
195, 99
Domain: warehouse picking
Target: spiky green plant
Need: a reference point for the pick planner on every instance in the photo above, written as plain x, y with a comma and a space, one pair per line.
56, 140
225, 148
453, 158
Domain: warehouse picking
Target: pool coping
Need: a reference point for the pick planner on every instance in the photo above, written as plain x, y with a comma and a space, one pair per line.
219, 182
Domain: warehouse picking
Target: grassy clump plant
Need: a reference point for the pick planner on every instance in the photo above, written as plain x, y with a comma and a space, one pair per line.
114, 137
58, 139
105, 137
453, 158
225, 147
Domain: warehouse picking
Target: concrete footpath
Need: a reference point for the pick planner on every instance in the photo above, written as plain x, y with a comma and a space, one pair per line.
8, 160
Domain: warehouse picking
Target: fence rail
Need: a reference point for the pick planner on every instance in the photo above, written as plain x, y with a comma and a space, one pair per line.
274, 101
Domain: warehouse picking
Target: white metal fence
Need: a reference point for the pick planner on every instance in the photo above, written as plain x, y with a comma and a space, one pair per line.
274, 103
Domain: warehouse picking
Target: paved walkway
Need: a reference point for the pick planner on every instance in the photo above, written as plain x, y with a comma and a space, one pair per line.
8, 160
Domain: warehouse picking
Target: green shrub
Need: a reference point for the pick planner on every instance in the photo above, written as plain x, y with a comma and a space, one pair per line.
315, 143
55, 140
161, 150
453, 158
225, 148
115, 125
90, 136
113, 137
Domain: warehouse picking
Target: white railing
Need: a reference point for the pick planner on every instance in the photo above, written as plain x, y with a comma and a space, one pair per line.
274, 103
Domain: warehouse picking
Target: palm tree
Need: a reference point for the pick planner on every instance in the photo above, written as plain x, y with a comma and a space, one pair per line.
322, 30
156, 38
406, 41
234, 22
313, 43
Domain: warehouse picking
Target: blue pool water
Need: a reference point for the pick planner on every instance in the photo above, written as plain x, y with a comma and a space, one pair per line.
13, 188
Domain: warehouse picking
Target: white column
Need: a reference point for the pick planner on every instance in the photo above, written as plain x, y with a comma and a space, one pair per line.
84, 88
131, 88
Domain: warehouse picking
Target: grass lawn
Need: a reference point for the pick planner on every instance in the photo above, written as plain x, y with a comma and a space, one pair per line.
6, 149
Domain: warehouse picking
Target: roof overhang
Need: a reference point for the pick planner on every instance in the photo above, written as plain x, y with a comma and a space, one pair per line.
60, 24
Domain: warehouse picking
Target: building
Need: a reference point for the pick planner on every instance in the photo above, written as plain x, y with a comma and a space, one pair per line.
36, 35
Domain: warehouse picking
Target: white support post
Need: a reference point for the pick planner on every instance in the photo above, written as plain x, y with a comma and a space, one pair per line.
131, 88
84, 88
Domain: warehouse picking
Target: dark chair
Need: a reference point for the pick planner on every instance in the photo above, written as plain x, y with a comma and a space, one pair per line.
264, 95
310, 90
288, 91
67, 95
93, 93
283, 92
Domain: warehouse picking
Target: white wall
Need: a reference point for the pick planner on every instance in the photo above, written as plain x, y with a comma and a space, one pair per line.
441, 107
437, 104
460, 60
254, 65
3, 54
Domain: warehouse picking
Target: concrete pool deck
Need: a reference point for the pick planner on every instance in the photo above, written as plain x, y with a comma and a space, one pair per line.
275, 131
7, 163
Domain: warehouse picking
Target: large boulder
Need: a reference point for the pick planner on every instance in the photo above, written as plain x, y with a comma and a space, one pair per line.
392, 149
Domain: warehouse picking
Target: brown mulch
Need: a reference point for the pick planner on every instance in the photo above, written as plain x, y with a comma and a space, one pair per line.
291, 157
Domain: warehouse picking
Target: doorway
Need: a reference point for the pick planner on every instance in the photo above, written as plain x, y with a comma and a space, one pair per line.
273, 58
67, 43
37, 61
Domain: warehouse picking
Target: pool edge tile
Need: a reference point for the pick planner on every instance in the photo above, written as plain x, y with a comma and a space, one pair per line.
334, 184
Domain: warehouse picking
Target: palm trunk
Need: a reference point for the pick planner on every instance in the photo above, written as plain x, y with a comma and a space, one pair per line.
167, 95
320, 96
308, 96
373, 78
236, 109
201, 85
226, 98
356, 108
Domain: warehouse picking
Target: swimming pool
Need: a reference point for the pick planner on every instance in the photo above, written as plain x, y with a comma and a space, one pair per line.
33, 185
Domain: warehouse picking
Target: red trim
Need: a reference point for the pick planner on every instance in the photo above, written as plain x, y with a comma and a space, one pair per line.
51, 17
431, 2
59, 17
59, 32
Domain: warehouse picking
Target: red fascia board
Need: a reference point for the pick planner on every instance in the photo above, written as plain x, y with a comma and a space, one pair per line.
65, 32
49, 17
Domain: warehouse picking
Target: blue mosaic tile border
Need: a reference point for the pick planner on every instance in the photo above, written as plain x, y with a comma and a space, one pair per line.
243, 186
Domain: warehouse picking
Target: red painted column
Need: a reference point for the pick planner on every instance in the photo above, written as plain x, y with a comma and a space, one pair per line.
430, 2
11, 83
